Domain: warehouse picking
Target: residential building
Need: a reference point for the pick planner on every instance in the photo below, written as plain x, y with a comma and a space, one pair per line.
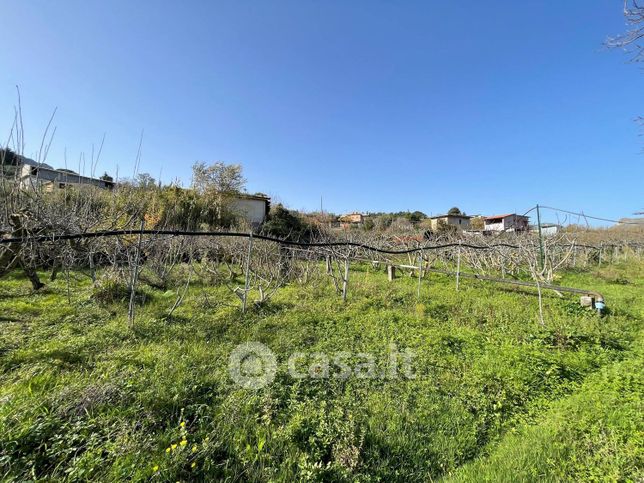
460, 222
351, 219
509, 222
51, 179
31, 174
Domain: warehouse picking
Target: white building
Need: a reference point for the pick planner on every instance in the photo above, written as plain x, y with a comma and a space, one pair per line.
509, 222
252, 208
547, 229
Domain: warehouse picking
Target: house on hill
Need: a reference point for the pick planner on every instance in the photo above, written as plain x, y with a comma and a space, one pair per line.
51, 179
31, 174
509, 222
459, 221
351, 219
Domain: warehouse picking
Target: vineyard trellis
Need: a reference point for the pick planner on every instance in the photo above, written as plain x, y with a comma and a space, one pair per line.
268, 263
86, 228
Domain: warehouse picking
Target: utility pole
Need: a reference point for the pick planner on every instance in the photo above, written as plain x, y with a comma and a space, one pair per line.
543, 257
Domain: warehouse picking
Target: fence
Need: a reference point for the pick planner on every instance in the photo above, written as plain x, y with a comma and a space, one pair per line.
268, 263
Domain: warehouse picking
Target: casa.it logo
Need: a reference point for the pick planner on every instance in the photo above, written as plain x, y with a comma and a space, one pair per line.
252, 365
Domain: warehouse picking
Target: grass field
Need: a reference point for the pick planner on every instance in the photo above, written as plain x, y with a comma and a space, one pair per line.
496, 395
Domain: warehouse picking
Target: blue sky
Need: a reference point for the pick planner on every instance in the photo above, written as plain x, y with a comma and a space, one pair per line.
374, 105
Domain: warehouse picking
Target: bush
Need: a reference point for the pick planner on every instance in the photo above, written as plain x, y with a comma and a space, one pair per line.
285, 224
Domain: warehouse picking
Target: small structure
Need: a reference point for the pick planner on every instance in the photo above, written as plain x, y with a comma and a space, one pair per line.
252, 208
351, 219
461, 222
41, 175
547, 229
509, 222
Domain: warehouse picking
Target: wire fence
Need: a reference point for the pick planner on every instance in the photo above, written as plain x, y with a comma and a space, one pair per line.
265, 263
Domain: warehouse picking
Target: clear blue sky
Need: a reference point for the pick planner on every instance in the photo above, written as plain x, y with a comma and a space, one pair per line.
375, 105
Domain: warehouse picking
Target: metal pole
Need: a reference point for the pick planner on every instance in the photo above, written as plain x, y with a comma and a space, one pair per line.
247, 281
543, 256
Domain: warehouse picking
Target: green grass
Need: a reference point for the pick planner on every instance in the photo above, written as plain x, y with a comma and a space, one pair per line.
496, 397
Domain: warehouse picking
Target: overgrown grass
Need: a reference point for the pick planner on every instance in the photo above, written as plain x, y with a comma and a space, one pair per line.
497, 396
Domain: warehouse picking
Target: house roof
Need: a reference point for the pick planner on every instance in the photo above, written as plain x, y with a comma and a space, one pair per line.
246, 196
67, 174
447, 214
504, 216
31, 162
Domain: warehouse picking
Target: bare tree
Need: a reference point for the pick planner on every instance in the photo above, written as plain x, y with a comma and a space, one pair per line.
631, 40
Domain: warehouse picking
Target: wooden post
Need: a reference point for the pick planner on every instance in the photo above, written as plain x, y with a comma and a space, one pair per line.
541, 250
391, 272
345, 279
458, 267
247, 279
328, 264
92, 269
536, 279
135, 277
428, 272
601, 248
574, 254
420, 273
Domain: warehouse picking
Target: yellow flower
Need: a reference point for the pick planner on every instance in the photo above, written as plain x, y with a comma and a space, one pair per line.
206, 440
155, 468
183, 424
193, 465
168, 449
174, 446
183, 442
194, 448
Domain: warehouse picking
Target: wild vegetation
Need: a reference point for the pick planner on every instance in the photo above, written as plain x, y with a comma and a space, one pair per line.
114, 353
497, 394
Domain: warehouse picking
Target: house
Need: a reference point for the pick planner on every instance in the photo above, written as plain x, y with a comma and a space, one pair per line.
33, 175
509, 222
351, 219
460, 222
253, 208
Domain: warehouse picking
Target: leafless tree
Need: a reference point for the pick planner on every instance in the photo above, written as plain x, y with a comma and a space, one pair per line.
632, 39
